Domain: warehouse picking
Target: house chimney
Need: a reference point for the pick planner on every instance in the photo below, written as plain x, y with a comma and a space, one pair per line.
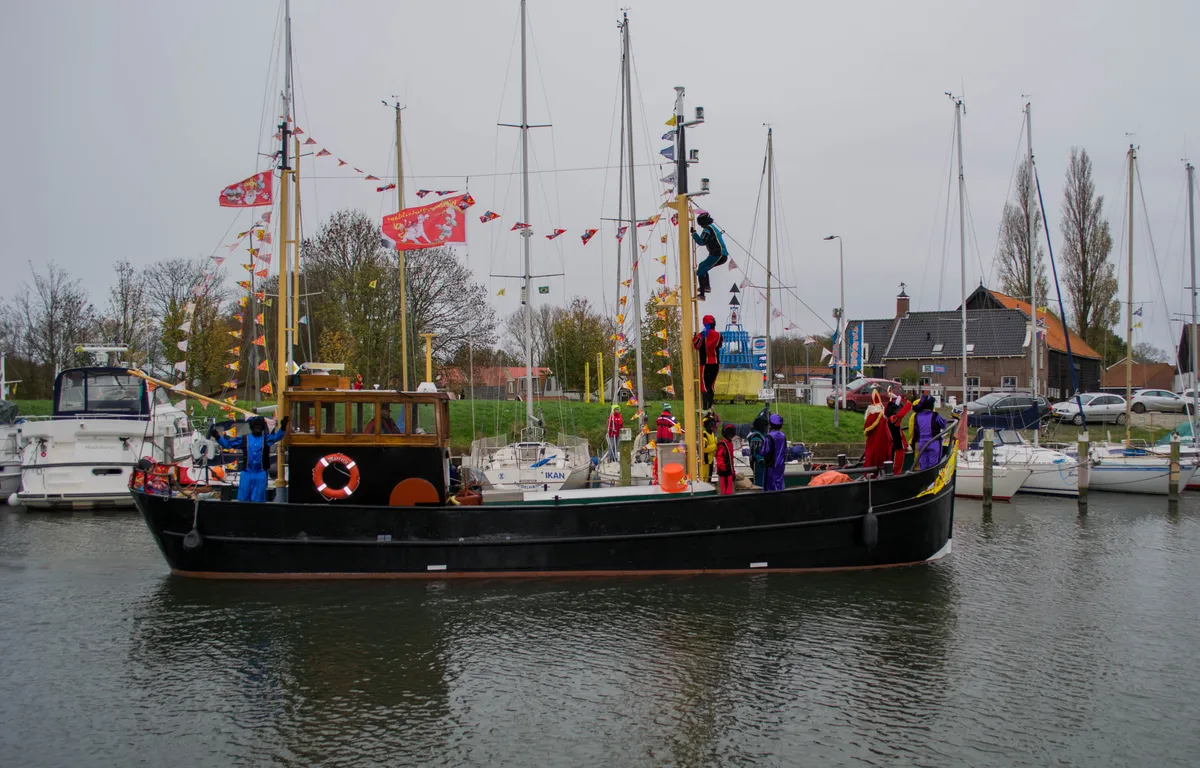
901, 303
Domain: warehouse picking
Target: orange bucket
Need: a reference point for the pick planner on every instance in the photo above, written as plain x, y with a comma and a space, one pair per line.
672, 478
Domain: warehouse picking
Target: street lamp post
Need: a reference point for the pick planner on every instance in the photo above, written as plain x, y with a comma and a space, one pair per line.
840, 375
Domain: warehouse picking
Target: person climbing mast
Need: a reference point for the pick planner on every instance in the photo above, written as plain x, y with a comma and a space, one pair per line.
707, 344
711, 238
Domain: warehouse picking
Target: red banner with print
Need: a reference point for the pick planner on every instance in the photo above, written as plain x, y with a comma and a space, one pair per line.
251, 193
427, 226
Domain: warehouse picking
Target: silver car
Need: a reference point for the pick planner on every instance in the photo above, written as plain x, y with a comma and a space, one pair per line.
1097, 407
1158, 400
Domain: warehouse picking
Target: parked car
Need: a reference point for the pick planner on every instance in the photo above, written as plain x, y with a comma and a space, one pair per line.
1158, 400
1097, 407
1002, 403
858, 392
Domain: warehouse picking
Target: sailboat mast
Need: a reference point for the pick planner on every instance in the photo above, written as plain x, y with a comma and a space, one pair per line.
1029, 207
633, 238
1191, 171
616, 380
526, 233
1129, 305
283, 349
959, 109
401, 259
770, 372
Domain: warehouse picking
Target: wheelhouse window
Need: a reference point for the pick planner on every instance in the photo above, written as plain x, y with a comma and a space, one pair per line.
100, 392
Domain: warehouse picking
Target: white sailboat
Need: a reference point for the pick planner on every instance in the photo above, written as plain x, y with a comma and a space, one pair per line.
1123, 467
104, 421
532, 463
10, 452
1051, 472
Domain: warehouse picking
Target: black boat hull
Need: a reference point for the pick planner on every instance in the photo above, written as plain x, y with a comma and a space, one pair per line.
792, 530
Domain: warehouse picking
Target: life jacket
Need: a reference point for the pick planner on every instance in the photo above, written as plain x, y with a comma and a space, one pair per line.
666, 424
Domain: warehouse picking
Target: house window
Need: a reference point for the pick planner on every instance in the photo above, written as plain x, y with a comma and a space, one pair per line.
925, 385
972, 388
970, 348
511, 388
1008, 382
937, 349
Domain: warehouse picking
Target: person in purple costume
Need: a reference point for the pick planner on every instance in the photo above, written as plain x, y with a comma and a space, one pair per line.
925, 424
775, 451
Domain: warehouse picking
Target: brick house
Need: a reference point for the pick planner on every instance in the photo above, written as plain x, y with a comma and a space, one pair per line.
998, 348
1145, 376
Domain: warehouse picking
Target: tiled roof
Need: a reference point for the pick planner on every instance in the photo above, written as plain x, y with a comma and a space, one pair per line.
1145, 375
994, 332
1055, 330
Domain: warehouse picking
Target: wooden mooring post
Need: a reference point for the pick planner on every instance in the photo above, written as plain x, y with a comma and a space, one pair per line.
1173, 484
988, 448
1085, 462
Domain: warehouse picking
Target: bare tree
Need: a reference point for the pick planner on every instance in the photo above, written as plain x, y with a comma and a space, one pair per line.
126, 320
1015, 242
1091, 279
55, 315
544, 316
1145, 352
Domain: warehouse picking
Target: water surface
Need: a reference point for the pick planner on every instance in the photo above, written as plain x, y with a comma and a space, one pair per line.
1046, 638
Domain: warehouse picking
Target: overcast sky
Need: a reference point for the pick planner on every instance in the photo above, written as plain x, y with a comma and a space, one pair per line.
124, 120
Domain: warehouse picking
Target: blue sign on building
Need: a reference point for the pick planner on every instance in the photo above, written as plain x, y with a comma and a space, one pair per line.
760, 362
939, 369
854, 346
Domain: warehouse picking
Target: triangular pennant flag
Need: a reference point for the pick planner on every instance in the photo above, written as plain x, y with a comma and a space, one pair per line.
622, 300
232, 400
665, 370
297, 131
309, 141
259, 318
587, 235
488, 216
243, 301
231, 384
620, 319
825, 353
661, 334
501, 292
303, 319
182, 345
650, 222
245, 284
519, 225
669, 136
189, 308
621, 233
369, 177
373, 284
662, 239
662, 352
423, 192
236, 334
262, 366
267, 302
555, 234
671, 122
670, 390
186, 327
235, 350
232, 366
267, 389
248, 267
266, 217
662, 259
342, 162
180, 366
260, 295
776, 313
261, 273
219, 260
669, 179
732, 264
261, 341
441, 192
324, 153
661, 280
668, 152
661, 314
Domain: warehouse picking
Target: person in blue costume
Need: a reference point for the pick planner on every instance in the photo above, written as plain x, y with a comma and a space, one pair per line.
712, 239
776, 454
252, 485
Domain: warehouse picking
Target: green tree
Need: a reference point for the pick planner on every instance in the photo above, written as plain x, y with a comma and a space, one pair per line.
578, 335
659, 320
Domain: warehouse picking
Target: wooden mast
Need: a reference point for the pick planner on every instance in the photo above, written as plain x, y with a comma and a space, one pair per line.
687, 300
282, 336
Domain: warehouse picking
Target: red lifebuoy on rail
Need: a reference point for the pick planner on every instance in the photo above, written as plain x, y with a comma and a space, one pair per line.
319, 476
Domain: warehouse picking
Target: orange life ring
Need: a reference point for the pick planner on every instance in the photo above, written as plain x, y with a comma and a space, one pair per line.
319, 476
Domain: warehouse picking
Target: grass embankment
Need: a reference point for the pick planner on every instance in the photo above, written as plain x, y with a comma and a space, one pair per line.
808, 423
811, 424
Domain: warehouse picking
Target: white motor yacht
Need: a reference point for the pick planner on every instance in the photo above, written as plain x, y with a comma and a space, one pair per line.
10, 453
530, 464
104, 421
1119, 469
1052, 472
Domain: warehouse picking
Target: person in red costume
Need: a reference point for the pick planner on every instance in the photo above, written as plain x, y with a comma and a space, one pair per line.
879, 439
707, 344
665, 424
894, 412
724, 460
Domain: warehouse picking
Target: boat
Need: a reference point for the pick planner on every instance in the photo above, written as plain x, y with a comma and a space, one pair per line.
1052, 472
1124, 467
353, 502
1006, 479
104, 421
531, 462
10, 448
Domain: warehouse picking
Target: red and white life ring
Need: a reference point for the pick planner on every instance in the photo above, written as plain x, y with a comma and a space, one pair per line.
319, 476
